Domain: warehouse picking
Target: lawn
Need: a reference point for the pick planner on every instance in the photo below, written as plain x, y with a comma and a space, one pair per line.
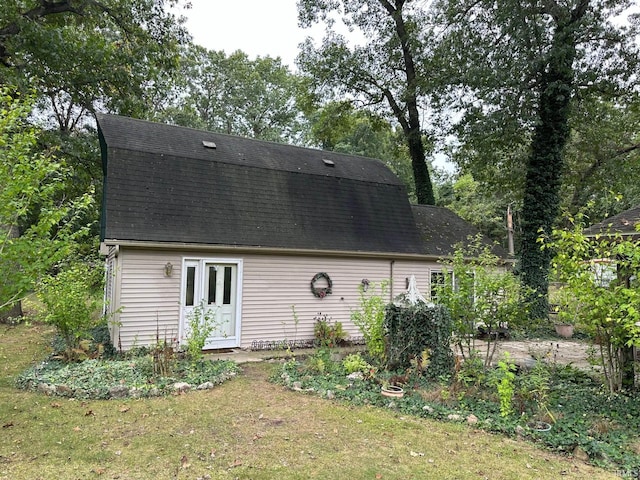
244, 428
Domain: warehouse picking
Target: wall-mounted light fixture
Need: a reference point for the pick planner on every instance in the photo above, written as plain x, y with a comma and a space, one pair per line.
365, 284
168, 269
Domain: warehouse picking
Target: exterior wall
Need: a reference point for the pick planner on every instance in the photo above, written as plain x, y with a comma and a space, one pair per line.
272, 285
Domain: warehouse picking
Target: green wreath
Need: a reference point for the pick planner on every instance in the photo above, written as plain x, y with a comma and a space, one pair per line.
321, 292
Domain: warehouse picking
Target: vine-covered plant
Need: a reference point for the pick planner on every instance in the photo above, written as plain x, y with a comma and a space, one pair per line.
416, 329
369, 318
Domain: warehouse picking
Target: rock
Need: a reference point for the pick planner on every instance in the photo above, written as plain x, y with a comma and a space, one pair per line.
154, 392
205, 386
428, 409
454, 417
64, 390
297, 386
119, 391
330, 395
181, 387
580, 454
520, 431
355, 376
472, 419
46, 389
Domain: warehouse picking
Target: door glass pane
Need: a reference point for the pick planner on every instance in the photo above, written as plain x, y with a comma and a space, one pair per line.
226, 297
211, 295
191, 281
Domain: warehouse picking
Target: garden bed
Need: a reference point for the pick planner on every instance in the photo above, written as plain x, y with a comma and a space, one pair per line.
134, 378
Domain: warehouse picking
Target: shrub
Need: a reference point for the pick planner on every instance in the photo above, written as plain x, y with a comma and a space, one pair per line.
71, 306
477, 291
328, 334
415, 329
201, 323
355, 363
370, 319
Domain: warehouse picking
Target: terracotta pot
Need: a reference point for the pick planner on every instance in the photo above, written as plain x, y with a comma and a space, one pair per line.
565, 330
393, 391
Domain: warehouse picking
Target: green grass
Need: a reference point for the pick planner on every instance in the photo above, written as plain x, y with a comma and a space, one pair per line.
244, 428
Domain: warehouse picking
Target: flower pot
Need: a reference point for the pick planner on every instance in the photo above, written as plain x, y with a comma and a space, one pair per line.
393, 391
540, 426
565, 330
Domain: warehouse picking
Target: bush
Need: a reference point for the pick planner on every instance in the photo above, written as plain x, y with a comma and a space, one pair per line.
70, 306
328, 334
370, 319
415, 329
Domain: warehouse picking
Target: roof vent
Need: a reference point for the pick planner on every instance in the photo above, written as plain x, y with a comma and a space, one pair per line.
328, 163
208, 144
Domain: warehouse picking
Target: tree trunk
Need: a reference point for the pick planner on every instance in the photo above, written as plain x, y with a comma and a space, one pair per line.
544, 168
15, 310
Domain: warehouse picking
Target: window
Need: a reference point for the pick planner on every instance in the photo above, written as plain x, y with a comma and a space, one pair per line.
437, 279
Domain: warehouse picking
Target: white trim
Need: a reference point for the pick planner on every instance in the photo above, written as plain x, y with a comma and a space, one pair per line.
201, 262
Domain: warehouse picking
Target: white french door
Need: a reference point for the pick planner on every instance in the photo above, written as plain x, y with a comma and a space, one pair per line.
211, 289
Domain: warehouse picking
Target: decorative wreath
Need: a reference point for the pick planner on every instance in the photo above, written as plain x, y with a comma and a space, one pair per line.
321, 292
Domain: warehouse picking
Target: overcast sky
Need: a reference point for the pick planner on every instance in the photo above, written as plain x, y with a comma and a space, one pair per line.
257, 27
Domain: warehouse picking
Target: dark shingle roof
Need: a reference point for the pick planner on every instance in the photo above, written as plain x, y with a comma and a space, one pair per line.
441, 229
623, 223
163, 185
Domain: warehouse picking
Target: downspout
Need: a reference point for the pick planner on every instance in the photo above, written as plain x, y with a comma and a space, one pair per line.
391, 280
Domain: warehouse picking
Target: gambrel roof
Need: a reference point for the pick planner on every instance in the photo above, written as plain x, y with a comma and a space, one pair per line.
180, 185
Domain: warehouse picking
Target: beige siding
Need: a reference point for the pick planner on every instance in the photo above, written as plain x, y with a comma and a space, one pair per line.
271, 286
149, 301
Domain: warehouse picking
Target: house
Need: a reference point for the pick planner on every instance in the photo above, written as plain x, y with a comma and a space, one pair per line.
625, 224
261, 235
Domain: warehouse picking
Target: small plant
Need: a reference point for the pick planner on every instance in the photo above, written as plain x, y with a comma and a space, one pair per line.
201, 323
504, 380
328, 334
471, 371
355, 363
538, 385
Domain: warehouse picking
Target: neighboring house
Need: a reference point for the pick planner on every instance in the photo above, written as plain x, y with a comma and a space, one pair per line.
243, 226
623, 223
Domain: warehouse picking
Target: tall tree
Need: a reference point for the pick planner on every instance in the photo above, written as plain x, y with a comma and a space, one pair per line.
338, 126
83, 55
523, 67
236, 95
386, 74
31, 180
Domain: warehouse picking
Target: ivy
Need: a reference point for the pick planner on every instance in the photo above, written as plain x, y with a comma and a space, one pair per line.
415, 329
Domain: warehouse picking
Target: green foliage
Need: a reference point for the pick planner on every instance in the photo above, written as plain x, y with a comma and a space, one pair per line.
236, 95
31, 186
71, 305
536, 385
134, 377
369, 318
503, 378
600, 274
201, 323
604, 426
381, 74
415, 329
355, 363
478, 290
326, 333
